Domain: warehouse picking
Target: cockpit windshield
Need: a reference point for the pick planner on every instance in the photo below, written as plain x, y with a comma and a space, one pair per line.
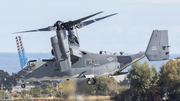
31, 65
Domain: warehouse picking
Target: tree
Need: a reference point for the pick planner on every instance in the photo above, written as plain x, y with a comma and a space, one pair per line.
65, 88
60, 85
68, 88
16, 95
149, 85
83, 88
2, 93
126, 95
46, 88
140, 76
35, 92
155, 76
169, 80
100, 88
53, 92
113, 86
24, 93
7, 80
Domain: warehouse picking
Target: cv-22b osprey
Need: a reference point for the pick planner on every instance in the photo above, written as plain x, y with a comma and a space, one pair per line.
70, 61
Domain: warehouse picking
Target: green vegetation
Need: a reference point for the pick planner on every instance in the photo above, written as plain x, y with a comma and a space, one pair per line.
46, 90
7, 80
104, 86
60, 99
146, 84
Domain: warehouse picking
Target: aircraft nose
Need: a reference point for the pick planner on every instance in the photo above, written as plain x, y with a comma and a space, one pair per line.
16, 75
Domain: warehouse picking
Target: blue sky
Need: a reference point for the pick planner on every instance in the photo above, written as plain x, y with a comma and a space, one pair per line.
129, 31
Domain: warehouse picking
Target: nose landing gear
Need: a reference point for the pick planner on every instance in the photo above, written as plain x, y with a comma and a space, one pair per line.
23, 85
91, 81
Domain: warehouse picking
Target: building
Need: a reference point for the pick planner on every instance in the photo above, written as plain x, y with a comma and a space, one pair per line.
176, 58
18, 88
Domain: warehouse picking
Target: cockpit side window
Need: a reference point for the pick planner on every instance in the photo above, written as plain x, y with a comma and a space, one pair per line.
30, 66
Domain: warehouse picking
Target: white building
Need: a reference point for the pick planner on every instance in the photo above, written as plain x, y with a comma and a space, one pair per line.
18, 88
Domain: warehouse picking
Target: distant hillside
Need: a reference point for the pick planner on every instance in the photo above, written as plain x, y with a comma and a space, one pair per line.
10, 61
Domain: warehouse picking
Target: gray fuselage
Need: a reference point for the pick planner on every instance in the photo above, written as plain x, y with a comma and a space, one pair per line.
89, 66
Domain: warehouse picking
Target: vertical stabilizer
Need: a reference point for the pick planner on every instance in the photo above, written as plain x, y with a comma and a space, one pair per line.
158, 47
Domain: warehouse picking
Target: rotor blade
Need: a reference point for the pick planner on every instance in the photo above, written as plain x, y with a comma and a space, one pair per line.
80, 25
71, 23
50, 28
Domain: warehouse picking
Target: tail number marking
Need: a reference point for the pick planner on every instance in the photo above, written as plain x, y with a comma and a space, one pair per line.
154, 48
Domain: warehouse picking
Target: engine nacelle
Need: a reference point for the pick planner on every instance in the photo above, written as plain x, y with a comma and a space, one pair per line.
61, 53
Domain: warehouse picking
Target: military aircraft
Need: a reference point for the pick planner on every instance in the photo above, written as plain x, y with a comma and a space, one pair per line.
70, 61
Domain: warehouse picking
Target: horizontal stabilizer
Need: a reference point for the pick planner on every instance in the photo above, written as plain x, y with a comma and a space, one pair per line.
158, 47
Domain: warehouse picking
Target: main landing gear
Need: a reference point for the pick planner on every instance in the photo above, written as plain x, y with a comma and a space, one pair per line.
91, 81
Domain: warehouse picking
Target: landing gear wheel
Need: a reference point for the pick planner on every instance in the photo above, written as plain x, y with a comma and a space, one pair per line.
94, 81
91, 81
23, 86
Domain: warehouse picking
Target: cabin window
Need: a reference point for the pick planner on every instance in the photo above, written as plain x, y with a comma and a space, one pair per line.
88, 62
